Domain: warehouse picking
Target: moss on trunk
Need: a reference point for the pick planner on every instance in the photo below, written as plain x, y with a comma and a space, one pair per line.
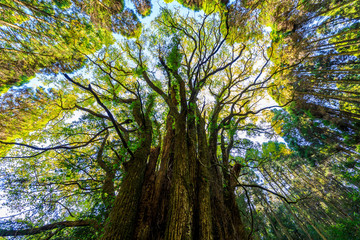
175, 192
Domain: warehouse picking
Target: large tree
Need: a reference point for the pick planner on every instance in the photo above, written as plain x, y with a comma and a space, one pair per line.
148, 140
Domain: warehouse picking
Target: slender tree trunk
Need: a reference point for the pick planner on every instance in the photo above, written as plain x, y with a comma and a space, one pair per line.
304, 215
282, 187
270, 214
278, 235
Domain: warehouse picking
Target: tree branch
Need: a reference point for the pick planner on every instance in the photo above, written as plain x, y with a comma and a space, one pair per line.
261, 187
111, 117
64, 146
33, 231
92, 112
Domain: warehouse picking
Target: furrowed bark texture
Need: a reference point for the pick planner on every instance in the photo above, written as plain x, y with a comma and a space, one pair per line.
121, 222
180, 218
178, 191
122, 217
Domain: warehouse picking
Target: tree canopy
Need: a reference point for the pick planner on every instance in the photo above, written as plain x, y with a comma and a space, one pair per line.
218, 120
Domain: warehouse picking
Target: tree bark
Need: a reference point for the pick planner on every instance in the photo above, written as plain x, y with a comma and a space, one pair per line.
176, 192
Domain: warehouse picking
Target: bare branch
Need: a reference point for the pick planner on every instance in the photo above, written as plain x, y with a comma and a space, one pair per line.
33, 231
263, 188
111, 117
64, 146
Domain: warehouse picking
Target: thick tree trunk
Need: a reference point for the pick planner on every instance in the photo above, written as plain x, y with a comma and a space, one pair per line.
122, 219
176, 192
180, 222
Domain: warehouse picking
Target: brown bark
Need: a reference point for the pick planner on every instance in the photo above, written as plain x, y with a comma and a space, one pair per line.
179, 225
146, 207
204, 197
226, 217
121, 222
162, 182
179, 195
122, 218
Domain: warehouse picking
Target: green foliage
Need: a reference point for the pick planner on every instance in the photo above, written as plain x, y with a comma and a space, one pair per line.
346, 229
54, 36
174, 57
67, 151
63, 4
